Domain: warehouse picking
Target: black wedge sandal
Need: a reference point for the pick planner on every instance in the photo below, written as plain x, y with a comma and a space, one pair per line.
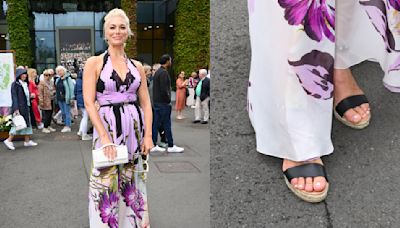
307, 170
349, 103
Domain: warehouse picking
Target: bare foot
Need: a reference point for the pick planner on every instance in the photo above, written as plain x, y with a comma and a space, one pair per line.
309, 184
346, 86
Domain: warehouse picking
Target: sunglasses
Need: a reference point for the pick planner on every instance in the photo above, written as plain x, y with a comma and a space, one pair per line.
145, 165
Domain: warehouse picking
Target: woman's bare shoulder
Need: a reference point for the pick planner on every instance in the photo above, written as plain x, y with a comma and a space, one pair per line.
94, 60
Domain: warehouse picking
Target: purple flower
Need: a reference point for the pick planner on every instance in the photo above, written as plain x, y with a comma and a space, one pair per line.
134, 199
395, 4
109, 209
315, 73
376, 10
317, 17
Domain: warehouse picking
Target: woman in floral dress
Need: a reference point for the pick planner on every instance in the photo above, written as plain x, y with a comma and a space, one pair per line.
117, 194
305, 55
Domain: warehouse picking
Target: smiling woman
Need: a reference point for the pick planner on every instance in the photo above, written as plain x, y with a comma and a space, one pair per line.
117, 194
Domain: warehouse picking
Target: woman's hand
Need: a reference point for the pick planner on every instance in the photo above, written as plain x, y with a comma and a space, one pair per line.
109, 151
147, 145
16, 112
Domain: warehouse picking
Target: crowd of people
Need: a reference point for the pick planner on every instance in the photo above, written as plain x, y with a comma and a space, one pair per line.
41, 99
56, 96
193, 92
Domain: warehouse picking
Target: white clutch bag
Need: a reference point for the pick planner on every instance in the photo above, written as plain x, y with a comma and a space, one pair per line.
19, 122
101, 161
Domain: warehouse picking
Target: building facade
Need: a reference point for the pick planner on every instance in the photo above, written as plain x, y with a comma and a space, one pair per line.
68, 31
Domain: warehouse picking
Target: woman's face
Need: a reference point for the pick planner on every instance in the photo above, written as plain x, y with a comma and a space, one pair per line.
60, 73
46, 76
182, 74
23, 77
116, 31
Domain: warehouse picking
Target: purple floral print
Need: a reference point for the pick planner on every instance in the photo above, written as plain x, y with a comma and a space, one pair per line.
376, 10
395, 4
134, 199
315, 73
109, 209
317, 17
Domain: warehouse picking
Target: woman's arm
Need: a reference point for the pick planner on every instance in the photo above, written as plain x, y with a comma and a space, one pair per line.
145, 104
180, 83
90, 77
41, 94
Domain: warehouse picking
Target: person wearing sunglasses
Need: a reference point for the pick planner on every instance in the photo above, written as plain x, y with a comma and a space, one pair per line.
300, 74
46, 99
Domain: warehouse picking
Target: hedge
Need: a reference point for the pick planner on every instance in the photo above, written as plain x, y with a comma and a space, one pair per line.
130, 7
18, 28
192, 36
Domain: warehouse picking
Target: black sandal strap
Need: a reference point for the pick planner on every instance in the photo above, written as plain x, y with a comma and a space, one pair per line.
349, 103
306, 170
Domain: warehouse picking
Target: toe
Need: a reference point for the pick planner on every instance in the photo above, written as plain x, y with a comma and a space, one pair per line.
309, 184
352, 116
365, 107
319, 184
300, 184
294, 182
361, 112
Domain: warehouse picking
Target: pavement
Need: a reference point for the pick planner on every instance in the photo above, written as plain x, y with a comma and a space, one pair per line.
247, 188
47, 185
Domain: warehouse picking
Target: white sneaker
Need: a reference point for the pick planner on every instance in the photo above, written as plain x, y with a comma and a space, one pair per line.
30, 143
86, 137
157, 149
45, 130
9, 145
40, 126
66, 129
51, 129
79, 133
175, 149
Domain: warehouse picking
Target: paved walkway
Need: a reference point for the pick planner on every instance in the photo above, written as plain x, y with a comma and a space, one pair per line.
47, 186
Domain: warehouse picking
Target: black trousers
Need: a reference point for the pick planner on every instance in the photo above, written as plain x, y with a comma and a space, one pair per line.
46, 117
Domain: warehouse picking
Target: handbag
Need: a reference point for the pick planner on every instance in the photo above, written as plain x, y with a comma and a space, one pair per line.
101, 161
19, 122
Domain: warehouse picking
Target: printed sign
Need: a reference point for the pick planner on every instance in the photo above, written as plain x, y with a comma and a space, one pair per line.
7, 75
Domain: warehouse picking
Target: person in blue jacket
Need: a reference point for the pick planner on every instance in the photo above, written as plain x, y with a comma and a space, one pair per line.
65, 95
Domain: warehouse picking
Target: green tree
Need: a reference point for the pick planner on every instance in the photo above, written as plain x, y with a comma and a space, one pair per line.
130, 7
18, 28
192, 35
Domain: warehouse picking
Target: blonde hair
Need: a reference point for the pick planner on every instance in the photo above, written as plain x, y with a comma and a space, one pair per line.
31, 72
116, 13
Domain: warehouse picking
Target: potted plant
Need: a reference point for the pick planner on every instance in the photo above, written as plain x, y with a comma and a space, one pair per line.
5, 126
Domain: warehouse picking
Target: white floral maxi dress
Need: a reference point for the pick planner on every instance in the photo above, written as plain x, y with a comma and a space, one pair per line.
117, 194
295, 47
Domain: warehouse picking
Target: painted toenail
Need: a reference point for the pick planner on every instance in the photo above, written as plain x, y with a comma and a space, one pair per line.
317, 184
295, 185
356, 117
